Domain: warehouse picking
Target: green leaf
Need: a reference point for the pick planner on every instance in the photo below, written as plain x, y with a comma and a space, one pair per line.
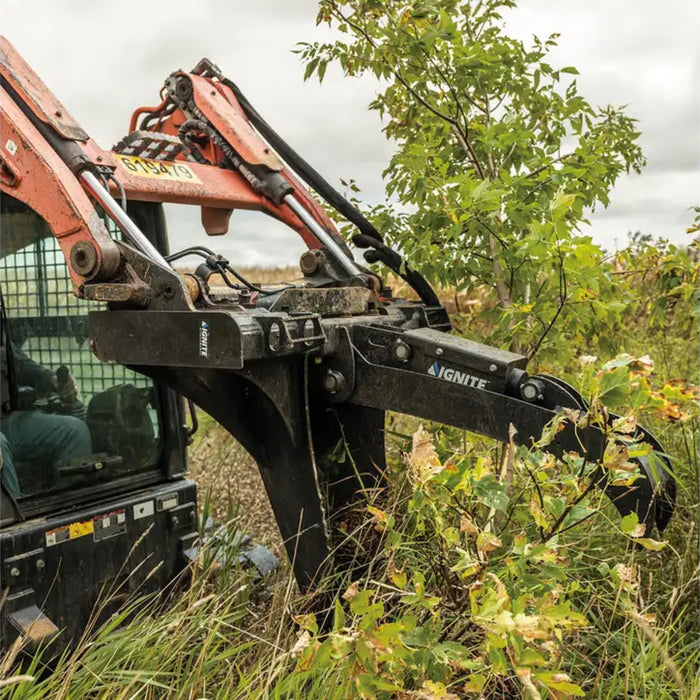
613, 387
338, 616
648, 543
629, 523
491, 493
360, 604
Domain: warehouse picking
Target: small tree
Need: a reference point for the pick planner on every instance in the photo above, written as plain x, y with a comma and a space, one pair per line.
498, 159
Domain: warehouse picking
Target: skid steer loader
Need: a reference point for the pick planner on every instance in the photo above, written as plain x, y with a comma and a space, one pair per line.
90, 293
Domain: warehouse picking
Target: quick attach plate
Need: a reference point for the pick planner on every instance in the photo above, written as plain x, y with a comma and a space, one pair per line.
212, 339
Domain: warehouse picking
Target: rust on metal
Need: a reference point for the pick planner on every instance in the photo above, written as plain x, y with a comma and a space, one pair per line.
32, 89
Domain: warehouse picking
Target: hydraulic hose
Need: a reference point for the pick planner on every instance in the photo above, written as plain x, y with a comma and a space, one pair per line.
300, 166
381, 252
368, 237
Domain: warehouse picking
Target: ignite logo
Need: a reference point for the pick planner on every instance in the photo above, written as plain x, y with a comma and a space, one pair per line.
453, 375
204, 339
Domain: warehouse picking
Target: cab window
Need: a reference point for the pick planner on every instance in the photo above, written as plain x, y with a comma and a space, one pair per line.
68, 421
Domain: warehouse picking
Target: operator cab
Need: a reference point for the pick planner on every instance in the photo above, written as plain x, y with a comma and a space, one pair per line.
69, 421
93, 454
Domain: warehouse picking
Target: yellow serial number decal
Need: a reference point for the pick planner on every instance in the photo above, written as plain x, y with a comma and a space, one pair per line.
143, 167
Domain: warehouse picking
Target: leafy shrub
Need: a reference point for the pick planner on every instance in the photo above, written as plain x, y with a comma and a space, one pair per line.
479, 583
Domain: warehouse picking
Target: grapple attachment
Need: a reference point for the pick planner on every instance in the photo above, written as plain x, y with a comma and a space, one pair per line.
312, 414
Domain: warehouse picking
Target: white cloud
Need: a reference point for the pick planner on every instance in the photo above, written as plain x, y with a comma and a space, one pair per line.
104, 58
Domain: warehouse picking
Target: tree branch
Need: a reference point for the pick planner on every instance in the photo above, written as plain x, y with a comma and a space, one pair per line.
563, 298
362, 32
537, 171
464, 143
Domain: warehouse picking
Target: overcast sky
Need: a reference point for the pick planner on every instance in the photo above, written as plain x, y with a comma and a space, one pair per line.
104, 58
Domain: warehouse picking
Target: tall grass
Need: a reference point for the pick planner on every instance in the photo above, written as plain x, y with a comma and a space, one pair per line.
435, 607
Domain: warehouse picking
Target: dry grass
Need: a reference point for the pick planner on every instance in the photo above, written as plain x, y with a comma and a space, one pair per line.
226, 475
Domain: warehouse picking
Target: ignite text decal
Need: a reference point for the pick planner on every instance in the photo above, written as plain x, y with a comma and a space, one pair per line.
454, 375
204, 339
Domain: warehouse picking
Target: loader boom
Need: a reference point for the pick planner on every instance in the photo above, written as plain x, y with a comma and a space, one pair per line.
293, 372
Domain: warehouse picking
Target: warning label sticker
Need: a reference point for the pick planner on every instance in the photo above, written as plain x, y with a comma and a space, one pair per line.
100, 527
109, 525
69, 532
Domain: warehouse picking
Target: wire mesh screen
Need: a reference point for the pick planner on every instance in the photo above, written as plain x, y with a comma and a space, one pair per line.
56, 428
46, 320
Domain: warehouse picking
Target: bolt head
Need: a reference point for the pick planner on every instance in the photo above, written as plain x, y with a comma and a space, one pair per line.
493, 368
438, 351
14, 572
333, 381
40, 564
402, 351
530, 392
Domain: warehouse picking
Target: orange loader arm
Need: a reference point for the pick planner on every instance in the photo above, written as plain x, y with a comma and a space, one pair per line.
48, 162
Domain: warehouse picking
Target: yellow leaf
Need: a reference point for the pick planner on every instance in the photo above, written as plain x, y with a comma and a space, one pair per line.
625, 481
380, 518
528, 627
307, 621
627, 574
500, 587
398, 576
424, 461
475, 684
433, 690
504, 620
352, 590
616, 457
466, 524
536, 512
487, 542
625, 424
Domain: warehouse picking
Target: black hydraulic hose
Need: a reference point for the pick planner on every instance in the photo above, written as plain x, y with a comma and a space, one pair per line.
221, 265
368, 237
381, 252
300, 166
